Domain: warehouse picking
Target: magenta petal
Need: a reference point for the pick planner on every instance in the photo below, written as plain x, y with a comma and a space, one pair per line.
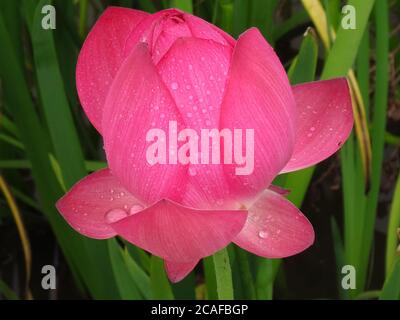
258, 97
275, 228
325, 121
279, 190
86, 206
137, 103
176, 271
204, 30
159, 31
177, 233
101, 56
195, 72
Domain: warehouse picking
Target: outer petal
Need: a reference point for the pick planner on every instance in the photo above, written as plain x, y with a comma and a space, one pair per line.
86, 205
138, 101
195, 71
279, 190
101, 56
258, 97
177, 233
325, 122
275, 228
176, 271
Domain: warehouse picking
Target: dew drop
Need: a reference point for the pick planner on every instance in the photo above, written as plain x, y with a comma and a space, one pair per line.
115, 215
263, 234
312, 129
135, 209
174, 86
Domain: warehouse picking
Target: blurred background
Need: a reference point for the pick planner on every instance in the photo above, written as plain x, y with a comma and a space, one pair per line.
47, 144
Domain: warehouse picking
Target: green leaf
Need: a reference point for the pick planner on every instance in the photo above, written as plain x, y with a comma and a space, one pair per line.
7, 292
344, 50
223, 275
391, 288
211, 281
185, 5
141, 278
267, 270
161, 289
247, 281
126, 285
305, 64
394, 224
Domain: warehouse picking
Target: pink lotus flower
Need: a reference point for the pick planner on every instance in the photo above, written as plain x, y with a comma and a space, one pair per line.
138, 71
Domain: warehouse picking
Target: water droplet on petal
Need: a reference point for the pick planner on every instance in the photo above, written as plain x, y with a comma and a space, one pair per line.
135, 209
263, 234
174, 86
115, 215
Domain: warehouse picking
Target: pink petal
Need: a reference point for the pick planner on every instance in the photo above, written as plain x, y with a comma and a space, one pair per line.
101, 56
162, 29
275, 228
159, 31
90, 203
137, 102
258, 97
279, 190
177, 233
195, 72
204, 30
325, 122
176, 271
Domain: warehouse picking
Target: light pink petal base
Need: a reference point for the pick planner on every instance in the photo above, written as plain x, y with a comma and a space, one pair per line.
275, 228
176, 271
177, 233
325, 121
86, 205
